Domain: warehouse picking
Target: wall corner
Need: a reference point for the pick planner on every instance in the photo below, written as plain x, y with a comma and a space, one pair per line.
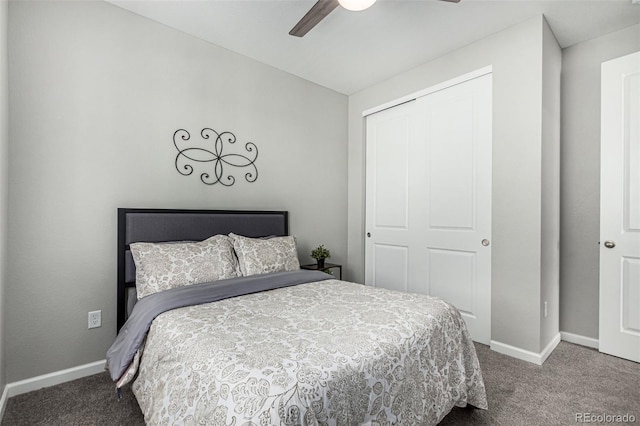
550, 189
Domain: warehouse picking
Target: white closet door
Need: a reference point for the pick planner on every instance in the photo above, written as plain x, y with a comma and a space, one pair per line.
428, 199
456, 124
620, 209
389, 157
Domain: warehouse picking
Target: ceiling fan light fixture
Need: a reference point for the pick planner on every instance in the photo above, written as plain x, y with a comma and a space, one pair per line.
356, 5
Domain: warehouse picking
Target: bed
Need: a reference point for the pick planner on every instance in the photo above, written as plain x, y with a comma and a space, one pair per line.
245, 337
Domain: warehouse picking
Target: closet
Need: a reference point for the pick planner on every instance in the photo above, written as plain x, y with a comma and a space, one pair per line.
428, 196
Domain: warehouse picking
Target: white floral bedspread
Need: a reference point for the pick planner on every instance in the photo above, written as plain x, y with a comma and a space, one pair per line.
329, 352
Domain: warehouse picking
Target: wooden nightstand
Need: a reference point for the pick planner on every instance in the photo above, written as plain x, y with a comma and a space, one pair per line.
327, 266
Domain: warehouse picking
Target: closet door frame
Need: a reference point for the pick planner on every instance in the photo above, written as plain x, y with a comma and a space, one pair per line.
435, 88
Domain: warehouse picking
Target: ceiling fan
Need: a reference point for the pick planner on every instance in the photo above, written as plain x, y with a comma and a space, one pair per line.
324, 7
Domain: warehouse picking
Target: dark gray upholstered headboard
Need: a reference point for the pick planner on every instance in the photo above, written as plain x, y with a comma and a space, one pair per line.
157, 225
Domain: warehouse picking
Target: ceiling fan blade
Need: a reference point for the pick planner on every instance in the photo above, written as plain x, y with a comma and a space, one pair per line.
316, 14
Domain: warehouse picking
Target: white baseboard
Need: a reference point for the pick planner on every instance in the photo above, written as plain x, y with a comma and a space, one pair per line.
52, 379
3, 402
525, 355
550, 347
580, 340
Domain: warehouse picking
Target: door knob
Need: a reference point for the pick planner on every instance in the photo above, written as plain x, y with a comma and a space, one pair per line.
485, 242
609, 244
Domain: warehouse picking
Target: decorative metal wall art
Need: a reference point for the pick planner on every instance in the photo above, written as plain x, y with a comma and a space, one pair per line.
211, 153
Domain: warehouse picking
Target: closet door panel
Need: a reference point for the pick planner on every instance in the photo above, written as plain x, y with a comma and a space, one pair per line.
451, 158
390, 171
452, 274
387, 246
390, 267
457, 134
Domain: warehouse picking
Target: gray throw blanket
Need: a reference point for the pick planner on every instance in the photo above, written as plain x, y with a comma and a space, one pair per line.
132, 334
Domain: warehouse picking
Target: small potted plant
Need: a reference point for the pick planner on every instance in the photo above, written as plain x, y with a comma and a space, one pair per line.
320, 253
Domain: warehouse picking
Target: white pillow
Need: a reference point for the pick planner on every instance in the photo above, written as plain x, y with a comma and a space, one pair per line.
161, 266
265, 255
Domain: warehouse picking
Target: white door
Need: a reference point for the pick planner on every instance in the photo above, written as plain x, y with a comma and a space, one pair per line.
457, 166
388, 157
428, 198
620, 208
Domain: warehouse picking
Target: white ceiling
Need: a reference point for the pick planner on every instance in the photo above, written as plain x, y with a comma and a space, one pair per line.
350, 51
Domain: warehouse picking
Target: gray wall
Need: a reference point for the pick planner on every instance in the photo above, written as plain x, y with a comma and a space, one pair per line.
580, 177
96, 93
550, 271
516, 55
4, 162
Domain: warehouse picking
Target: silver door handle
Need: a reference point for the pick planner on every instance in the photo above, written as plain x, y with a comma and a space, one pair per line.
609, 244
485, 242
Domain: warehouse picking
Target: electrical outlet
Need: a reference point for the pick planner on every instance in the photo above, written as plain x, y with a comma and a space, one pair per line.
95, 319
